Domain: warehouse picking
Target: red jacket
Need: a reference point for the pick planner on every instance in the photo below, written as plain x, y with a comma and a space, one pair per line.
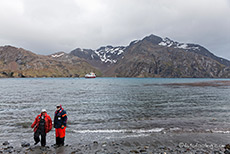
48, 123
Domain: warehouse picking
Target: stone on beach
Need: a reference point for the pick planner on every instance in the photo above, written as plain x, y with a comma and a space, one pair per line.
25, 144
5, 143
227, 149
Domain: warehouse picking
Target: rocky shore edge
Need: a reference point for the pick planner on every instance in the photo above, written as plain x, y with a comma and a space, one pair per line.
116, 147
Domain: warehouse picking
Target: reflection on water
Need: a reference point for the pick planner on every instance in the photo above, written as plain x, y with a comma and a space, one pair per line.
112, 107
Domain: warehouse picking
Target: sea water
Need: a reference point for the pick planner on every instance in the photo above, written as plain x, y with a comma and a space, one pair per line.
112, 108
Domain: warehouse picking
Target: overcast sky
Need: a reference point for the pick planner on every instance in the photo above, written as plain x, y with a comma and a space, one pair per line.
49, 26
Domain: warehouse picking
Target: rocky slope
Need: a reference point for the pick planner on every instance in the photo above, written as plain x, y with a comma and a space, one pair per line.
17, 62
188, 47
154, 56
157, 57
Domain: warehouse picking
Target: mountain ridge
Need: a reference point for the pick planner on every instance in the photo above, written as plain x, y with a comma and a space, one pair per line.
167, 63
151, 56
165, 45
165, 42
17, 62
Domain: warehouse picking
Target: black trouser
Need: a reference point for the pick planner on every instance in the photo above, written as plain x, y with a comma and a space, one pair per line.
43, 136
60, 141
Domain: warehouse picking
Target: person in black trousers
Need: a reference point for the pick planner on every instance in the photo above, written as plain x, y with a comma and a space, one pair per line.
42, 125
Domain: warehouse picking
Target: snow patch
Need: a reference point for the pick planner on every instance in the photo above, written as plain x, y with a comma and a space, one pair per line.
170, 43
57, 55
109, 54
182, 46
166, 42
120, 52
162, 44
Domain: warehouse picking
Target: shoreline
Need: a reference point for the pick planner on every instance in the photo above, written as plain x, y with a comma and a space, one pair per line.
154, 143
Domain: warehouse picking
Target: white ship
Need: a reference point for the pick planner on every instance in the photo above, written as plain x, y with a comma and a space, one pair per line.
90, 75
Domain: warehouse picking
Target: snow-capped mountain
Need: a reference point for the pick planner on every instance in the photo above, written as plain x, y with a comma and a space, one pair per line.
109, 55
108, 58
154, 56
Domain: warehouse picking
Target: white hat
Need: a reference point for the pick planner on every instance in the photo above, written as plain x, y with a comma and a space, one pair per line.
43, 110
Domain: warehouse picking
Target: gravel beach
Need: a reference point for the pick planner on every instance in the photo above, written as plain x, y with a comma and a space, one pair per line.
198, 143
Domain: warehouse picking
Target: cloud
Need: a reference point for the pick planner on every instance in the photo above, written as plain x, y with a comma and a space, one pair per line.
48, 26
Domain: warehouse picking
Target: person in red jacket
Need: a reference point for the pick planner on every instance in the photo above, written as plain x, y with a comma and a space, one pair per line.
42, 125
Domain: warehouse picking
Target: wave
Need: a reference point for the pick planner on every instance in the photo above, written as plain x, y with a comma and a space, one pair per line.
221, 131
127, 136
149, 131
154, 130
